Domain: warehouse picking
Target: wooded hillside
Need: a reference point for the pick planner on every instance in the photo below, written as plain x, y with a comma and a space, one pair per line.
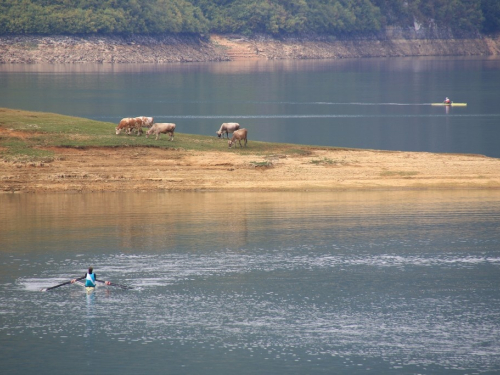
275, 17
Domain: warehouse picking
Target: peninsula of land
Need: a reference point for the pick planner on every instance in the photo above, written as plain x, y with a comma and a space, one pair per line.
38, 155
289, 168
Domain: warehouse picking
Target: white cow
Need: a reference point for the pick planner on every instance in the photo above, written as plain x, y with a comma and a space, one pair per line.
159, 128
147, 122
226, 128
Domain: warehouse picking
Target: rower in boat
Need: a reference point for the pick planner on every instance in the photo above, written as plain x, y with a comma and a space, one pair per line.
447, 101
90, 280
451, 104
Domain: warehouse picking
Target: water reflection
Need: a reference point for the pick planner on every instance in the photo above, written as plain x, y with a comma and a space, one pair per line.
159, 221
401, 64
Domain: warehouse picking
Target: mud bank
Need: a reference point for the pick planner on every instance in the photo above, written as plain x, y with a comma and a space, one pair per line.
188, 48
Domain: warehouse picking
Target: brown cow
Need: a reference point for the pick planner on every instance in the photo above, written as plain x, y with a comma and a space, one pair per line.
123, 125
239, 135
129, 124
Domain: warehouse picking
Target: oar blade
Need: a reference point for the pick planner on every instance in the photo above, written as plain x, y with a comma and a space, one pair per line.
117, 285
57, 286
121, 286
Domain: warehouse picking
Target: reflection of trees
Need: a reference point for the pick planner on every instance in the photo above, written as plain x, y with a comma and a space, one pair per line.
165, 221
175, 220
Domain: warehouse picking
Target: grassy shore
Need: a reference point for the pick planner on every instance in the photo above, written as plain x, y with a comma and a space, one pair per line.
32, 136
45, 152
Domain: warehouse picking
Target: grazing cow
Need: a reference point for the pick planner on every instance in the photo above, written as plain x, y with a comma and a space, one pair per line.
226, 128
147, 122
239, 135
137, 126
159, 128
123, 125
130, 124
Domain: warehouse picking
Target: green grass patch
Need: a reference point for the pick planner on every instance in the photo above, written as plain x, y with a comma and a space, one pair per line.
14, 150
25, 134
399, 173
266, 163
300, 151
328, 161
322, 161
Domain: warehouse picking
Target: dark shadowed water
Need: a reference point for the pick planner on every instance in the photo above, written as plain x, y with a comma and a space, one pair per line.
252, 283
363, 103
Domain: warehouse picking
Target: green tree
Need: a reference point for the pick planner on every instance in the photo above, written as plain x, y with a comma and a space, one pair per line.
243, 16
491, 13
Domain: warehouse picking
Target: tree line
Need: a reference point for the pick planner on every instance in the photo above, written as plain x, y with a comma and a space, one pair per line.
275, 17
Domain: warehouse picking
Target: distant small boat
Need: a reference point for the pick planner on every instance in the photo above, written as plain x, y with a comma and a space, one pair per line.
451, 104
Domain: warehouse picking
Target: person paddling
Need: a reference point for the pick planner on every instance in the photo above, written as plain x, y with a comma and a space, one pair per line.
90, 279
90, 282
447, 101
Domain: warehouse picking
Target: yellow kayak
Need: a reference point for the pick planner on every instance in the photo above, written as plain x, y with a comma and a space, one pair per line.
451, 104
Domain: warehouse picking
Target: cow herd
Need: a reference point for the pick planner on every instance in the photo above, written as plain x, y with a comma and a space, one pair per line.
135, 124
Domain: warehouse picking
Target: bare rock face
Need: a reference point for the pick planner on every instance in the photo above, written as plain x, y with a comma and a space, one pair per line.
60, 49
107, 49
387, 44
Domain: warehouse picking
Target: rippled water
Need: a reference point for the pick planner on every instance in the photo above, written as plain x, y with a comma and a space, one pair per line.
345, 283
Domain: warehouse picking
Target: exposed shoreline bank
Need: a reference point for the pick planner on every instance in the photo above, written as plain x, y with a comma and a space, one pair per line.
60, 49
39, 155
313, 170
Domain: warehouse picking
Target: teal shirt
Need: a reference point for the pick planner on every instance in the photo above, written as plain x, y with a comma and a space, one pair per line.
90, 279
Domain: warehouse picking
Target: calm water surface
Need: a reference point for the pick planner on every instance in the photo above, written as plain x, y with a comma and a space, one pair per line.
363, 103
268, 283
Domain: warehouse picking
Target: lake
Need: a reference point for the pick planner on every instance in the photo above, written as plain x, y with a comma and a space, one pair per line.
363, 103
261, 283
252, 283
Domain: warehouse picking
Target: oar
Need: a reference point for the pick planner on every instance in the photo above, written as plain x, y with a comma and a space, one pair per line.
57, 286
118, 285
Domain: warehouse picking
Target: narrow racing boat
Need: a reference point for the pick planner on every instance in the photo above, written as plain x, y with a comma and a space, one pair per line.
451, 104
88, 289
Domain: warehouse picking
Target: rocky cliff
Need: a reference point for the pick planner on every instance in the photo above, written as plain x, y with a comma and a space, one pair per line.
167, 49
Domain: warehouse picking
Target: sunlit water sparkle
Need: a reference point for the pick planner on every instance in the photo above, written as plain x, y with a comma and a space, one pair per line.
388, 282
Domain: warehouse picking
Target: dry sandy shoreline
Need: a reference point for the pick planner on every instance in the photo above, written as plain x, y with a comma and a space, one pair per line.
315, 169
